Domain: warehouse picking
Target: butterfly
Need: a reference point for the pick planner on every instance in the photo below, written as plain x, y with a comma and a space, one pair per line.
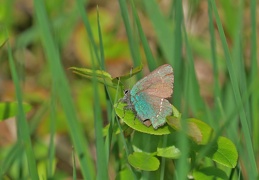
147, 98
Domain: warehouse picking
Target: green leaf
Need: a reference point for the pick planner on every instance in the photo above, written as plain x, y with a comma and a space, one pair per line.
143, 161
169, 152
208, 173
9, 109
197, 130
205, 129
224, 152
116, 130
176, 113
101, 76
129, 118
125, 174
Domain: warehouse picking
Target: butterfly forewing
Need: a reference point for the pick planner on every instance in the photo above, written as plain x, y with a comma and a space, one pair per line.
158, 83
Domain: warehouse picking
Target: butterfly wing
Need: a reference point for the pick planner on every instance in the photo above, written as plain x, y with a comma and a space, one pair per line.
153, 108
148, 95
158, 83
162, 109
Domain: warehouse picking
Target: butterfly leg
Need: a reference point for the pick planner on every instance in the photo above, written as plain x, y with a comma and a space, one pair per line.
128, 107
135, 117
124, 111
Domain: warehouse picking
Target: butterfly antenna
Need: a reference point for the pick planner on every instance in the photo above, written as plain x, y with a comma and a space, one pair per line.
131, 69
117, 90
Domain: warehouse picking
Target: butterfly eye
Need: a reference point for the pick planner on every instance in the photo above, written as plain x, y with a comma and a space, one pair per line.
126, 91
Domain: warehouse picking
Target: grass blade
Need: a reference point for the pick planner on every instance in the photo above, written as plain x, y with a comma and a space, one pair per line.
254, 73
132, 42
234, 83
61, 88
150, 59
23, 130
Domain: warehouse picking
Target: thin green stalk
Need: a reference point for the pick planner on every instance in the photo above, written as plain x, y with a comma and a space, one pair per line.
162, 28
13, 154
217, 92
132, 43
52, 149
74, 165
82, 10
254, 73
102, 164
62, 90
23, 127
177, 53
150, 59
233, 79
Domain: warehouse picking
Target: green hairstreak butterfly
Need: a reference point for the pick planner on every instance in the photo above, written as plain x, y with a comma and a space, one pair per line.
147, 98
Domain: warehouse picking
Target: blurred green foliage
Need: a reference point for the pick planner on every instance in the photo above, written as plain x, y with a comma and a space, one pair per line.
212, 46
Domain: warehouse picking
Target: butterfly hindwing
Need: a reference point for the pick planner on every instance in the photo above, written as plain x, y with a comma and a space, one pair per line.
153, 108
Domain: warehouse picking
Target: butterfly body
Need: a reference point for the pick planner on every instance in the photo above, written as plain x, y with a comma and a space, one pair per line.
147, 98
